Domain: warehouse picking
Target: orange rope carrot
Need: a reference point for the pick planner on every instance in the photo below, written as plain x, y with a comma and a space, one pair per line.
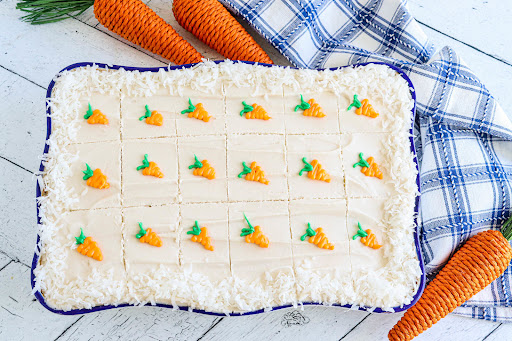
481, 260
253, 173
152, 117
369, 167
254, 111
95, 179
203, 168
368, 238
317, 237
148, 236
201, 236
363, 107
311, 108
315, 171
88, 247
209, 21
131, 19
196, 111
150, 168
95, 117
254, 235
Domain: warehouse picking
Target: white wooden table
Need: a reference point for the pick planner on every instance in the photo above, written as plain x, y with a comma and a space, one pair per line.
31, 55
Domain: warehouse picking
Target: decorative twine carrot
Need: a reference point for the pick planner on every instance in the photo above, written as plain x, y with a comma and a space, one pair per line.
368, 238
209, 21
95, 117
203, 168
363, 107
254, 111
315, 171
253, 173
254, 235
148, 236
150, 168
369, 167
152, 117
196, 111
95, 179
131, 19
88, 247
201, 236
481, 260
311, 108
317, 237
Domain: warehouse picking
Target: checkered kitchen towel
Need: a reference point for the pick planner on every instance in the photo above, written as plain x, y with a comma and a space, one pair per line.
464, 139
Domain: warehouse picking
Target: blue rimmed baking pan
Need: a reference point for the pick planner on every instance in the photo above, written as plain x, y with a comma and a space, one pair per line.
35, 260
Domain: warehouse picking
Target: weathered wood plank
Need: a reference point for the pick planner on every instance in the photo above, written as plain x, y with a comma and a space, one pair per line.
18, 218
501, 333
494, 74
39, 52
140, 323
4, 260
23, 121
482, 24
21, 316
314, 322
377, 326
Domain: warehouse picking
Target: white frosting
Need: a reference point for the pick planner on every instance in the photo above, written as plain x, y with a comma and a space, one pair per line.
236, 276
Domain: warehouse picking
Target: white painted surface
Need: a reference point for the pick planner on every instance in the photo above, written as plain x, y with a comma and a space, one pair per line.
30, 56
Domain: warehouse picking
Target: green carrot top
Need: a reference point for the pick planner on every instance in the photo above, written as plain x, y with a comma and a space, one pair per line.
197, 163
89, 112
142, 232
81, 238
362, 162
355, 103
360, 232
247, 108
245, 171
146, 115
307, 167
88, 172
309, 233
195, 229
145, 163
303, 104
249, 230
191, 107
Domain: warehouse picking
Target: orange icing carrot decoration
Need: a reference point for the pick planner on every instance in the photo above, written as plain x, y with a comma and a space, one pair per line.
203, 168
88, 247
315, 171
363, 107
152, 117
254, 235
95, 179
369, 167
254, 111
150, 168
148, 236
95, 117
311, 108
317, 237
253, 173
368, 238
196, 111
201, 236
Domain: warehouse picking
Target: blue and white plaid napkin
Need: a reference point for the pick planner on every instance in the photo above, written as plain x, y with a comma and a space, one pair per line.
463, 137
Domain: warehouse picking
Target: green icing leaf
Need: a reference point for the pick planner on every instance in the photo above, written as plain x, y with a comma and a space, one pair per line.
195, 229
246, 170
309, 233
360, 232
146, 115
197, 163
355, 103
88, 172
307, 167
246, 231
89, 112
191, 107
80, 239
247, 108
142, 232
145, 163
362, 162
303, 104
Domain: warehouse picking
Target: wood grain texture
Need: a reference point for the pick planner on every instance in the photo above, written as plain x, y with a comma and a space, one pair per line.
21, 316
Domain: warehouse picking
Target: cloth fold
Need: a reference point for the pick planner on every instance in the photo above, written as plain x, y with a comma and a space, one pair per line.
463, 137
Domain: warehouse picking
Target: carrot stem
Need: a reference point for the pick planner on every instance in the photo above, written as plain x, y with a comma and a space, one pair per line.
355, 103
303, 104
307, 166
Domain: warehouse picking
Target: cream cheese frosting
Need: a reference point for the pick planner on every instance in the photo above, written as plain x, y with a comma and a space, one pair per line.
237, 276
